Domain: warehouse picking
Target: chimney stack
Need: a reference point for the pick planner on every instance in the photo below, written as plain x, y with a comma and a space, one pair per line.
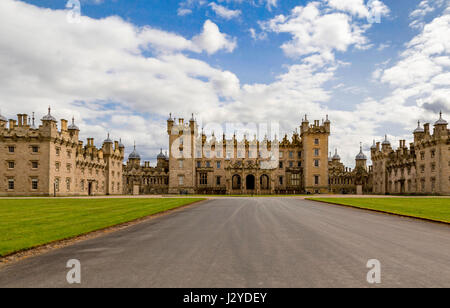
63, 125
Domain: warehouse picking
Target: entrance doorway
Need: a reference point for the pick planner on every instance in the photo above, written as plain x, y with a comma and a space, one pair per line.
90, 188
250, 182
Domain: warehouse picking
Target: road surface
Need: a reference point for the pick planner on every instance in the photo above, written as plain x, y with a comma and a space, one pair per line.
251, 242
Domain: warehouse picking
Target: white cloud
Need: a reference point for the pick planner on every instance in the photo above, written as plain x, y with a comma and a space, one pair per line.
316, 32
224, 12
212, 40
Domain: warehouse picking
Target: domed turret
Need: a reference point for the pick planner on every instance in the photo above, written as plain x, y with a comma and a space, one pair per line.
108, 140
374, 145
336, 156
134, 154
361, 155
121, 146
49, 117
386, 141
73, 126
419, 129
441, 121
161, 155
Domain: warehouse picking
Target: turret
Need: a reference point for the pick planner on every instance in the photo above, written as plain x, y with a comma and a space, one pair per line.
419, 132
361, 158
440, 127
386, 145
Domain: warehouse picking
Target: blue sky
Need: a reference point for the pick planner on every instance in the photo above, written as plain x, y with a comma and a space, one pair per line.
127, 63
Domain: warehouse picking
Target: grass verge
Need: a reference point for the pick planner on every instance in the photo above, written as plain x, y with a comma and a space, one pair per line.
29, 223
435, 209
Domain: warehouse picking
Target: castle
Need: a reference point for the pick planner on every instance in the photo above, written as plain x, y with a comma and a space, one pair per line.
43, 161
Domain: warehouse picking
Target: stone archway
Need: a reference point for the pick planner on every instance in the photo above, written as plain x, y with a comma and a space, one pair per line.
265, 182
236, 182
250, 182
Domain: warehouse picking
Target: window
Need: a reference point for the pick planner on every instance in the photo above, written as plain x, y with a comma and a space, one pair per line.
58, 151
316, 163
316, 180
218, 180
11, 149
69, 154
57, 165
35, 149
34, 164
291, 164
295, 179
68, 184
422, 168
299, 164
299, 154
280, 179
316, 152
34, 184
422, 155
82, 185
180, 164
433, 167
56, 184
281, 165
291, 154
208, 164
11, 165
181, 180
218, 165
68, 166
203, 178
199, 164
316, 141
433, 153
11, 184
281, 154
219, 154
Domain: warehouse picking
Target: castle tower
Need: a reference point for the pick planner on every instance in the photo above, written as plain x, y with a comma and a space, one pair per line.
182, 151
315, 157
361, 159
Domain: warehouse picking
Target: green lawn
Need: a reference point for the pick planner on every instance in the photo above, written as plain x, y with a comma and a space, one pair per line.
33, 222
430, 208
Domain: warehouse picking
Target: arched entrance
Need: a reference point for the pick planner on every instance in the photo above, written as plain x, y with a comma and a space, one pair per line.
236, 181
250, 182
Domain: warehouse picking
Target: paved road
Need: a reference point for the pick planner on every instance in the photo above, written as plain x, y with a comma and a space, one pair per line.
252, 242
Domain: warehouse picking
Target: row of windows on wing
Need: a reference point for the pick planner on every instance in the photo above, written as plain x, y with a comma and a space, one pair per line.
35, 185
398, 186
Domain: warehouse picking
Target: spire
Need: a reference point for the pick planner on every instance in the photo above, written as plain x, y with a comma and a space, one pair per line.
386, 141
374, 145
419, 129
49, 116
361, 155
441, 121
107, 140
33, 126
73, 126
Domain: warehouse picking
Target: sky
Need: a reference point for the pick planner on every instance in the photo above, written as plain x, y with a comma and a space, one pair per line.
374, 67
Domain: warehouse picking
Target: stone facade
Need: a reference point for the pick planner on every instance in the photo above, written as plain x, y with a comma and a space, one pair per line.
144, 179
344, 180
231, 166
421, 168
43, 161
